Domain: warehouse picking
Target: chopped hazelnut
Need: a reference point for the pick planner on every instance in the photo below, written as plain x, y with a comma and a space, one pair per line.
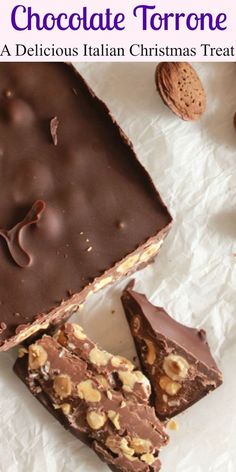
37, 356
102, 381
22, 352
62, 386
151, 352
98, 357
114, 417
79, 332
141, 446
119, 361
128, 264
165, 398
65, 407
124, 445
136, 324
96, 420
87, 392
148, 458
176, 367
169, 386
172, 425
129, 379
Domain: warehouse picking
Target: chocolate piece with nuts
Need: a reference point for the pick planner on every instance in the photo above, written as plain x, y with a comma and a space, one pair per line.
181, 89
175, 358
111, 371
123, 430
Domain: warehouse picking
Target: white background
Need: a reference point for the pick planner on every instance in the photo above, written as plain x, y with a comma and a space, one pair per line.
194, 278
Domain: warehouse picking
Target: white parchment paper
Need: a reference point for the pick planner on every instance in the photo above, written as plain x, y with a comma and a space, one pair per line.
194, 278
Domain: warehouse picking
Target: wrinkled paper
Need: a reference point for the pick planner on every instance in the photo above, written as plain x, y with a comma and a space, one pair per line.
194, 278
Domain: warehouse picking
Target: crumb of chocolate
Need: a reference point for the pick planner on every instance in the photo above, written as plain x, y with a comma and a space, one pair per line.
54, 123
120, 224
9, 93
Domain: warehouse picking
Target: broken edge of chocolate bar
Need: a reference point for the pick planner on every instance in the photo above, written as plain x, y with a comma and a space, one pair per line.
84, 395
176, 359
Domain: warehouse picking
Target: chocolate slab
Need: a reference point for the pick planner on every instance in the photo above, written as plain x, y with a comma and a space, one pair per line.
77, 209
176, 359
123, 430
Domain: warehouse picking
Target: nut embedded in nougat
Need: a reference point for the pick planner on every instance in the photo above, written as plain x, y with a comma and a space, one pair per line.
96, 420
169, 386
119, 361
37, 356
62, 386
148, 458
129, 379
114, 417
98, 357
87, 392
141, 446
78, 332
151, 352
176, 367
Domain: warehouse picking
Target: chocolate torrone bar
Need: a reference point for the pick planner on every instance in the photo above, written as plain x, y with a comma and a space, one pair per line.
99, 397
77, 209
175, 358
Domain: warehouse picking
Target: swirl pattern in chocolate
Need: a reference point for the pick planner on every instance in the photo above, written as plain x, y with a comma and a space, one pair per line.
14, 236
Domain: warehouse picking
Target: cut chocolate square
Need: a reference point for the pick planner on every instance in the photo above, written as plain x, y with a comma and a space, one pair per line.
107, 411
176, 359
78, 210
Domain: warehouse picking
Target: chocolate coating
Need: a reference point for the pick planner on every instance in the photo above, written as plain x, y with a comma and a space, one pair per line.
60, 145
165, 347
130, 436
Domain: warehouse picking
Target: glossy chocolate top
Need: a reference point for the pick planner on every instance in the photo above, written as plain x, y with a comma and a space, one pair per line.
74, 200
190, 339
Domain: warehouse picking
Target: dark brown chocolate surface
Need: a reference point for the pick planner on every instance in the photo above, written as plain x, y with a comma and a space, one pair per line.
129, 436
176, 359
74, 200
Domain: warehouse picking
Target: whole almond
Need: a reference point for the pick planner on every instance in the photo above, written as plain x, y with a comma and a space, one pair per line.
181, 89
